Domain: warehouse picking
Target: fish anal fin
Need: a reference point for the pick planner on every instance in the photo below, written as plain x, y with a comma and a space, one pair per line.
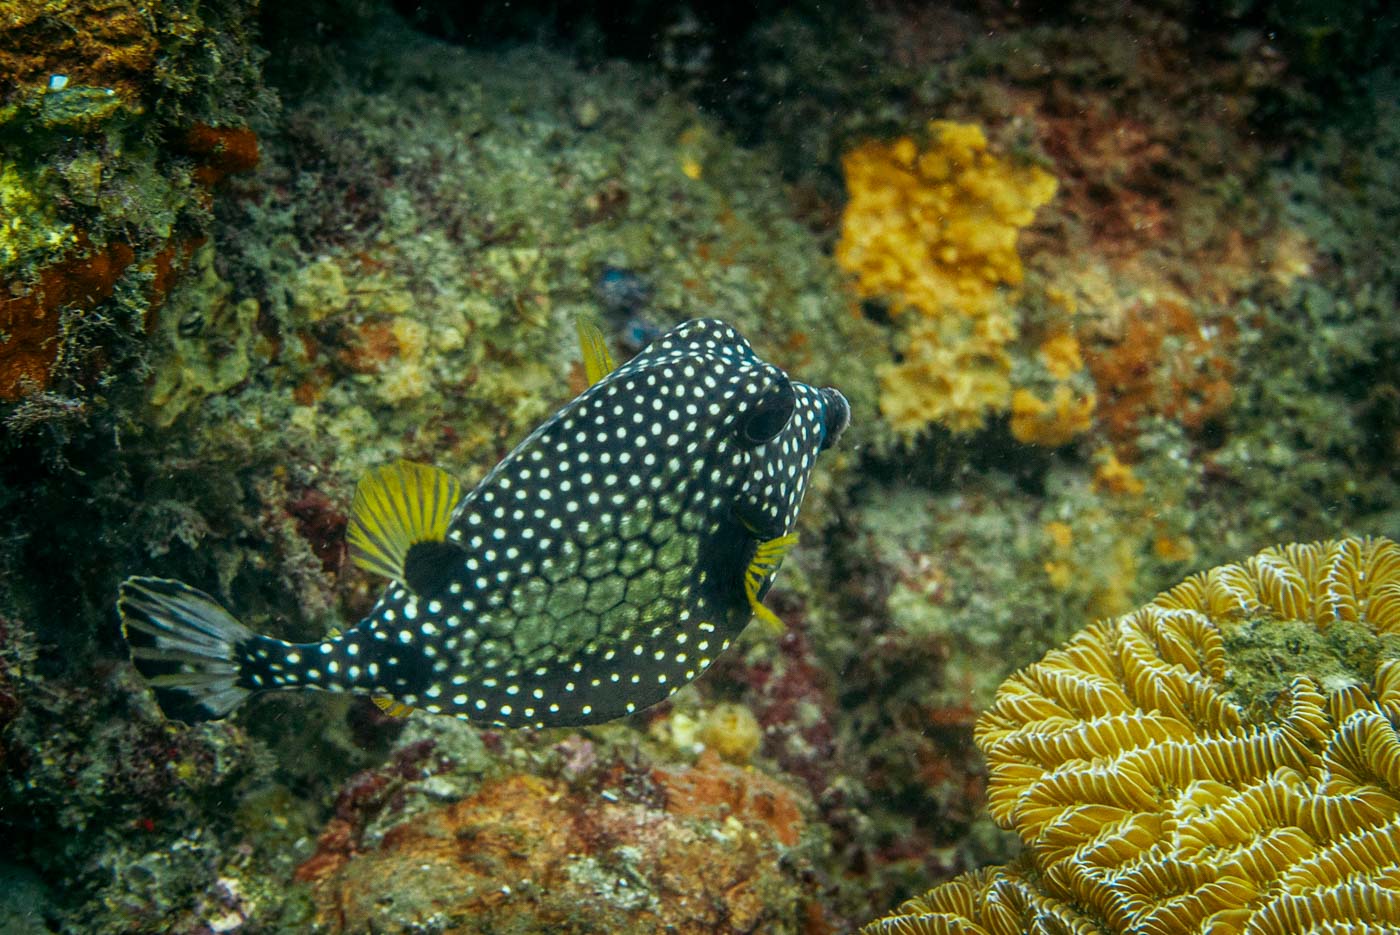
392, 706
597, 359
764, 563
397, 506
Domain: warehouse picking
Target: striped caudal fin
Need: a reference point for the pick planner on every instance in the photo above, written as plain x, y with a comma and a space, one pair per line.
186, 645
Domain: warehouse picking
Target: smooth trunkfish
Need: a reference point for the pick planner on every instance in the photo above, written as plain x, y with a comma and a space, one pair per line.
603, 564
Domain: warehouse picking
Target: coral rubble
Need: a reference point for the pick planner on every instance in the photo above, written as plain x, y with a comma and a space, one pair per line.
1224, 759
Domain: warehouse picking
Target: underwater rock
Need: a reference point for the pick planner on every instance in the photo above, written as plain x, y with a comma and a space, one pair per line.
688, 849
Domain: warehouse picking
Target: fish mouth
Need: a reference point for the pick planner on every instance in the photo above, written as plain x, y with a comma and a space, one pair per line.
836, 416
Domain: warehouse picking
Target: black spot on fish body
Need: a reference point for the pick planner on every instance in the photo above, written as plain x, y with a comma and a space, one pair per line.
430, 567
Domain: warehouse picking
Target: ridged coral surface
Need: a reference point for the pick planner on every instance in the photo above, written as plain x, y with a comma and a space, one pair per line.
1223, 760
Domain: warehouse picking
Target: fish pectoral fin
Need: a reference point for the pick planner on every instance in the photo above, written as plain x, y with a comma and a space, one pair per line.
391, 706
597, 359
764, 563
396, 507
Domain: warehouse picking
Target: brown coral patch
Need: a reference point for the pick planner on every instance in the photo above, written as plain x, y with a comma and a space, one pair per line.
700, 853
1114, 170
1163, 780
30, 315
1164, 361
322, 524
165, 268
220, 151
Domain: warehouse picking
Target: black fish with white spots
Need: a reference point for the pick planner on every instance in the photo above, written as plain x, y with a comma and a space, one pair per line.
603, 564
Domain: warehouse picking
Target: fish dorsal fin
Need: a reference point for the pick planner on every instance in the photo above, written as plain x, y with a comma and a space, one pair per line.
766, 561
396, 507
391, 706
597, 359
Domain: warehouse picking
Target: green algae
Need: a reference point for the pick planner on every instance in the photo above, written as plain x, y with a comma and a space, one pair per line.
1265, 655
32, 228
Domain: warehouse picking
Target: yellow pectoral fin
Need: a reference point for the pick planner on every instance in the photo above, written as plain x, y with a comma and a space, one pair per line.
391, 707
764, 563
597, 359
395, 507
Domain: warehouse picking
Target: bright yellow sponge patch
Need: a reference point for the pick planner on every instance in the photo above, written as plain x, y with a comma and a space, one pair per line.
935, 230
1052, 422
950, 375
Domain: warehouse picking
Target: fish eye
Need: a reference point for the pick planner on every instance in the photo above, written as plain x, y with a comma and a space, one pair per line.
771, 415
836, 415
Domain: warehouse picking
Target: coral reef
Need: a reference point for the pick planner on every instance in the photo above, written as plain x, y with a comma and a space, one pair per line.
102, 795
248, 252
1195, 277
116, 121
1223, 759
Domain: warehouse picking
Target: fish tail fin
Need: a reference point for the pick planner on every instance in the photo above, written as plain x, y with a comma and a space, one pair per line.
187, 646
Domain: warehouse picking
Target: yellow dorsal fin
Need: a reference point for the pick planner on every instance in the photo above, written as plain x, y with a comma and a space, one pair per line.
391, 706
765, 561
396, 506
597, 359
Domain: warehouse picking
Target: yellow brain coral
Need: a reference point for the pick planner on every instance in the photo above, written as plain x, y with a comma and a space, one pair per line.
935, 231
1223, 760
